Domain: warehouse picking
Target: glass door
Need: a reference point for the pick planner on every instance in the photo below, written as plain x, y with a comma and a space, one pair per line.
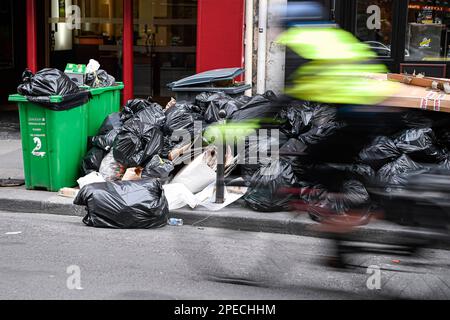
165, 45
165, 37
86, 29
378, 23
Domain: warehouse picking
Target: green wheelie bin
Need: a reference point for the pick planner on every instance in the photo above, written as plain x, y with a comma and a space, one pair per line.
53, 143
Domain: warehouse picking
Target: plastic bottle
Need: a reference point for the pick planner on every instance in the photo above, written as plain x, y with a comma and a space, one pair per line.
175, 222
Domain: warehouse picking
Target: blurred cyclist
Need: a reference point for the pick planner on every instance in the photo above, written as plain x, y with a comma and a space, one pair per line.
335, 66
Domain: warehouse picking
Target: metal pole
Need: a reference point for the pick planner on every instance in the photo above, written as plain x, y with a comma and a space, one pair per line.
31, 36
221, 155
128, 52
249, 44
262, 47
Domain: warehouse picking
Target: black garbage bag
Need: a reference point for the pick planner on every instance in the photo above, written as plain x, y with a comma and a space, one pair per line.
416, 119
145, 111
99, 79
381, 151
225, 103
332, 174
111, 122
243, 99
443, 136
124, 204
320, 201
204, 99
293, 147
322, 114
312, 123
321, 134
92, 161
397, 172
153, 115
47, 82
40, 87
181, 117
420, 145
158, 168
266, 192
260, 107
296, 152
298, 118
258, 149
137, 143
111, 127
106, 141
254, 156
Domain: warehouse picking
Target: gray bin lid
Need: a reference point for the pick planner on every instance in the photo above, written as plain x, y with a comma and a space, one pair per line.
195, 82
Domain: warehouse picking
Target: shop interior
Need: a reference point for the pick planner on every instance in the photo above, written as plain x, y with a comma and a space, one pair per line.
164, 39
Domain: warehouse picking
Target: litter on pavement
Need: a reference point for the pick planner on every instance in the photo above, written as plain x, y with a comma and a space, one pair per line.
322, 158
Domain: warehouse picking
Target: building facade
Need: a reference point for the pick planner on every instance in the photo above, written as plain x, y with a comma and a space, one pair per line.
407, 35
149, 43
144, 43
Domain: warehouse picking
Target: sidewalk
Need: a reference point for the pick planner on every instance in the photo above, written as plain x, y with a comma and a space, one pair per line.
235, 217
11, 163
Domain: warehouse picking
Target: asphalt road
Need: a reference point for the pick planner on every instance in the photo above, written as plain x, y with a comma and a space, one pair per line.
57, 257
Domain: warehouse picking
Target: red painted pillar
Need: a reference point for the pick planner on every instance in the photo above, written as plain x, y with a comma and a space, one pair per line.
128, 54
220, 34
31, 35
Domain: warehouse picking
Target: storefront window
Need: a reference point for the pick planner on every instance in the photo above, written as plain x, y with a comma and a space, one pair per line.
96, 35
164, 39
166, 36
427, 36
374, 25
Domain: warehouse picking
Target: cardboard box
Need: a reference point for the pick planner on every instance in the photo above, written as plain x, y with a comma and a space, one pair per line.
76, 72
411, 96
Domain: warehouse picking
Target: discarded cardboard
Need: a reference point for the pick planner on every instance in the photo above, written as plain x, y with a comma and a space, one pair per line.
413, 96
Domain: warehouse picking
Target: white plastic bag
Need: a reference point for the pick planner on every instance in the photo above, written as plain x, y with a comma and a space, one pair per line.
178, 196
110, 169
92, 177
197, 175
93, 66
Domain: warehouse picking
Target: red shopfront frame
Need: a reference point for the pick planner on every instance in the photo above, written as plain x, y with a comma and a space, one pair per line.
220, 37
220, 34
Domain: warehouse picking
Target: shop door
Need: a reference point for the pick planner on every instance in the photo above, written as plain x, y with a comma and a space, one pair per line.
165, 37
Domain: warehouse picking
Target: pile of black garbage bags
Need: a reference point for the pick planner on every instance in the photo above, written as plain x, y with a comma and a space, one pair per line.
39, 88
143, 135
327, 157
330, 156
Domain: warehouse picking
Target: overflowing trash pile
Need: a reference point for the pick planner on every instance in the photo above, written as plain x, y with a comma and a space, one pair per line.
48, 82
322, 156
344, 150
146, 142
40, 87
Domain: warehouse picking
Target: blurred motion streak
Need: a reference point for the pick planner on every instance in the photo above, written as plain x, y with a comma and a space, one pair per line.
337, 67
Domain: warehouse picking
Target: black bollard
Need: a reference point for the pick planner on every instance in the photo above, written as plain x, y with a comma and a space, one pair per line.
221, 155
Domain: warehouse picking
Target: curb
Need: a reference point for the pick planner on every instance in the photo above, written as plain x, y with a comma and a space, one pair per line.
233, 218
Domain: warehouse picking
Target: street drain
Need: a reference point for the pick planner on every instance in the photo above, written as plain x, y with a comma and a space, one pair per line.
11, 182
